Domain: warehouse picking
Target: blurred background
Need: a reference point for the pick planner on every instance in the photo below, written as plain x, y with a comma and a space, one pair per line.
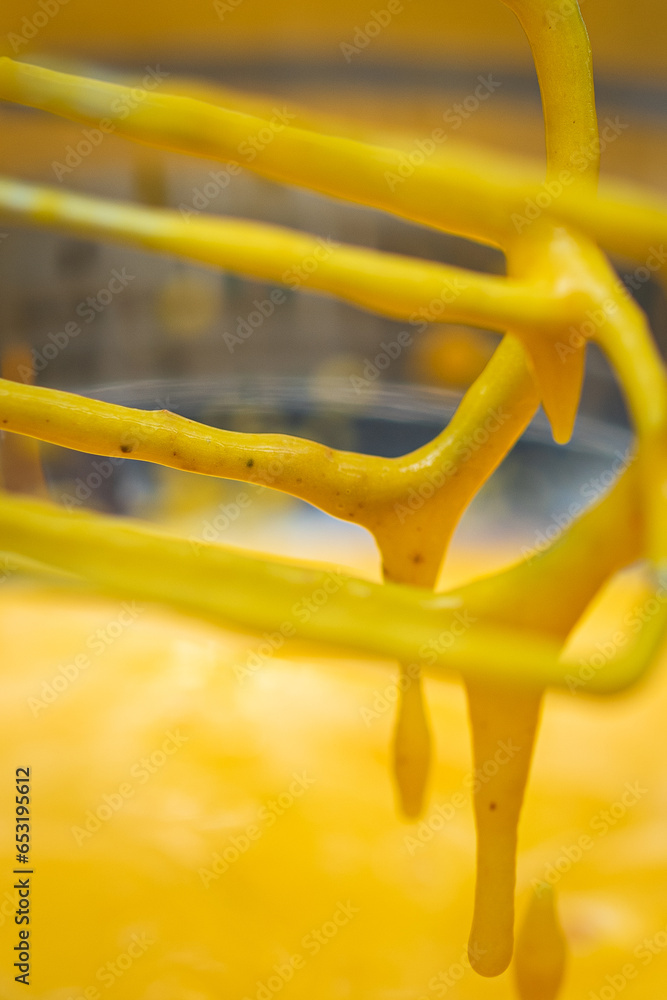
414, 73
391, 71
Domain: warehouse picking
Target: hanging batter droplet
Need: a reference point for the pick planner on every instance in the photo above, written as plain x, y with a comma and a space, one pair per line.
504, 723
541, 949
411, 746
